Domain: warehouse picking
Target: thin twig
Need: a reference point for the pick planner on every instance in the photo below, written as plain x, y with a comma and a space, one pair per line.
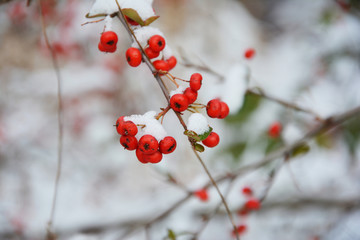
50, 235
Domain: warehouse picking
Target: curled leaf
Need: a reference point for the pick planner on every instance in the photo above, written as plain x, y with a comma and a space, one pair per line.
198, 147
300, 150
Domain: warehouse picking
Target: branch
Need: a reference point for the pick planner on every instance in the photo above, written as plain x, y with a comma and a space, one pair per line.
50, 234
159, 80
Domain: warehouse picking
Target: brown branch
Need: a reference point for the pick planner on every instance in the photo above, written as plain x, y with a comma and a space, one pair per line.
121, 16
50, 235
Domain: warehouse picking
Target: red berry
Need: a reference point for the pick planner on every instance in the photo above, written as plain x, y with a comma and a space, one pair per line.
247, 191
161, 65
224, 110
127, 128
101, 47
157, 43
129, 142
172, 62
202, 195
212, 140
249, 53
131, 22
274, 130
179, 102
191, 95
151, 54
119, 121
242, 212
213, 108
195, 81
148, 144
167, 145
154, 157
133, 56
253, 204
241, 229
109, 40
140, 156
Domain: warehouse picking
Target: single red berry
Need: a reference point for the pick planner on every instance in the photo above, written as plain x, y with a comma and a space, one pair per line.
224, 110
249, 53
127, 128
161, 65
140, 156
212, 140
151, 54
119, 121
191, 95
202, 195
213, 108
167, 145
195, 81
131, 22
275, 130
253, 204
133, 56
243, 212
241, 229
247, 191
109, 39
157, 43
148, 144
101, 47
179, 102
154, 157
129, 142
172, 61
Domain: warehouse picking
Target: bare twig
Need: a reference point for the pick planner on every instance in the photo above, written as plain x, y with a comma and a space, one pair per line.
50, 234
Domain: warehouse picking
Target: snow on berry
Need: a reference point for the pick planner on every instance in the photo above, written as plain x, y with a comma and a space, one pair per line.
198, 123
142, 7
179, 90
151, 125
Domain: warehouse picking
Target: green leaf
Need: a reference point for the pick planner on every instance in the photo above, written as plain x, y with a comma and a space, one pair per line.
351, 131
324, 140
192, 134
206, 134
171, 235
134, 15
251, 103
300, 150
198, 147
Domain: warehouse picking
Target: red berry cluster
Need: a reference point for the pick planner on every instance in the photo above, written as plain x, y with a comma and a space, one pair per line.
156, 44
108, 41
148, 149
181, 101
217, 109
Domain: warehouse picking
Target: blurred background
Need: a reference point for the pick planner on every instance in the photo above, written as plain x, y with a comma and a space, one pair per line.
307, 53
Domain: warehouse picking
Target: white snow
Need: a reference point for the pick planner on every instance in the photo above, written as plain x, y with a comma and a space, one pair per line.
198, 123
152, 126
178, 90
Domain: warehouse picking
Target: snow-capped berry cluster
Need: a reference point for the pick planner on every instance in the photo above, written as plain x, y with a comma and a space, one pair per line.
108, 41
148, 148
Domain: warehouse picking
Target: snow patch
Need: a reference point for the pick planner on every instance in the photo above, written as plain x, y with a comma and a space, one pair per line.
198, 123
